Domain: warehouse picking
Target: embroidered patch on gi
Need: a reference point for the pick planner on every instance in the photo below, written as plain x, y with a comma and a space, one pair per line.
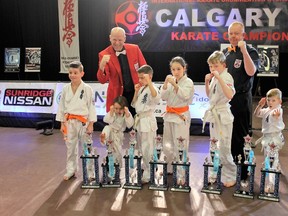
237, 63
144, 99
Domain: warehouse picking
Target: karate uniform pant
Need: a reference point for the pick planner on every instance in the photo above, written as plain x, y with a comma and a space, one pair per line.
229, 168
76, 131
171, 132
117, 138
145, 142
278, 140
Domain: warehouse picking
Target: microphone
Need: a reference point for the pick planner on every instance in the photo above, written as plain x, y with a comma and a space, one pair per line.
81, 95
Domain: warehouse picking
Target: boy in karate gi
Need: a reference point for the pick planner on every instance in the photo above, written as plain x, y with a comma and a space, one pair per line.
145, 99
77, 113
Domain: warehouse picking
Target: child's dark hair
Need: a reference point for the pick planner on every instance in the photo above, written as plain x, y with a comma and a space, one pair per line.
146, 69
76, 64
122, 101
179, 60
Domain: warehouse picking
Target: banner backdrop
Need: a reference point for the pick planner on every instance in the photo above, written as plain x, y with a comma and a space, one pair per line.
199, 25
69, 36
32, 59
44, 97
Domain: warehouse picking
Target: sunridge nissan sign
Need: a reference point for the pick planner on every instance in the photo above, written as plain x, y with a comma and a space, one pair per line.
28, 97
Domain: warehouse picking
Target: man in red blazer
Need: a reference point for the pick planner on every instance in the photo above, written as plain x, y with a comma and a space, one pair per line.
118, 64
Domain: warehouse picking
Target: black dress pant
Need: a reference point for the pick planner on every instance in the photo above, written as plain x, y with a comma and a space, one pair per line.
241, 106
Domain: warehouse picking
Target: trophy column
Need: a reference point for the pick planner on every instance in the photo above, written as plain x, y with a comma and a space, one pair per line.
158, 175
132, 175
111, 170
249, 161
212, 170
272, 170
158, 168
90, 160
244, 193
181, 169
90, 182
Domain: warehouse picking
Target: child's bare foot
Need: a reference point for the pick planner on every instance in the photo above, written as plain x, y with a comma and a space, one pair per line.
229, 184
68, 176
102, 138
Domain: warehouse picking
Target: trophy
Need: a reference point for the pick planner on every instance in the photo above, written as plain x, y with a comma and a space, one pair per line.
158, 147
156, 173
215, 170
272, 170
132, 175
111, 170
181, 169
250, 162
90, 164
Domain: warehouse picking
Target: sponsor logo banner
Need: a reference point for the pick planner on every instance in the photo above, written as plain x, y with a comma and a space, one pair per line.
199, 25
45, 97
28, 97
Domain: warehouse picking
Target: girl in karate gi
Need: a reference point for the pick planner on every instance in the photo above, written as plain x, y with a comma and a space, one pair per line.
77, 113
178, 92
118, 118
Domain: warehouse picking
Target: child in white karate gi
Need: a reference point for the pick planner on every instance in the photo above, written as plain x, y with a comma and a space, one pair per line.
77, 113
177, 91
145, 99
118, 118
219, 86
272, 126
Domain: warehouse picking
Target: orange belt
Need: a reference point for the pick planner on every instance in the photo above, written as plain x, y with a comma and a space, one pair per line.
178, 111
71, 116
78, 117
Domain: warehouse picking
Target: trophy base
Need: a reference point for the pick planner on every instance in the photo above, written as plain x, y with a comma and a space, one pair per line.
186, 189
269, 197
244, 194
211, 191
132, 186
111, 185
158, 187
91, 185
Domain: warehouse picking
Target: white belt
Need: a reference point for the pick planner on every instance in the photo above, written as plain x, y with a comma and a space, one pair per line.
213, 109
141, 115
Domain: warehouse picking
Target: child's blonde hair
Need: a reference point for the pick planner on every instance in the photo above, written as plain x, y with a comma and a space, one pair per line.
215, 57
274, 92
